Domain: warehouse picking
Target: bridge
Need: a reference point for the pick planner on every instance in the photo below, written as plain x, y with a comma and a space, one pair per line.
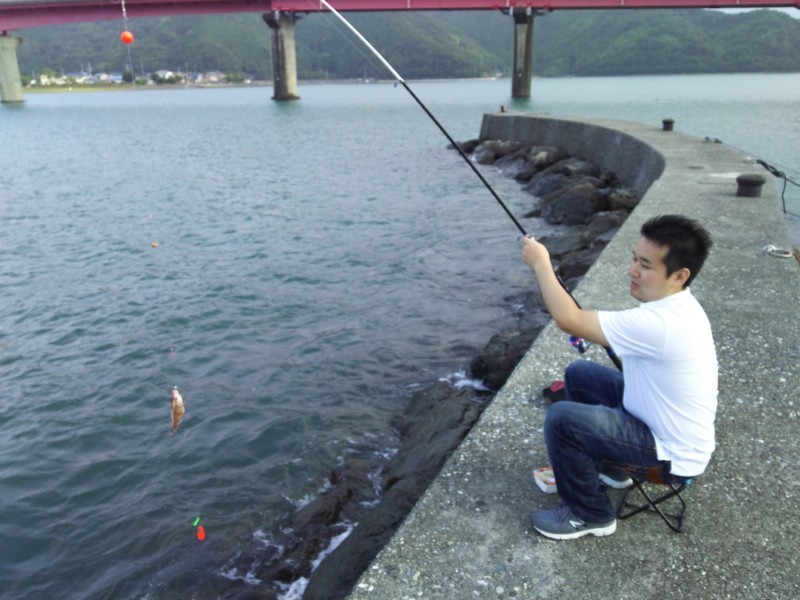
281, 15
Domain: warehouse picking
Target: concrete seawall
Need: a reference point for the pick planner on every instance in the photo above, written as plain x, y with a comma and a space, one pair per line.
470, 535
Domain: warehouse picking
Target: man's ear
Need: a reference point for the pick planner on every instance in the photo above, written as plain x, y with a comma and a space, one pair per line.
681, 276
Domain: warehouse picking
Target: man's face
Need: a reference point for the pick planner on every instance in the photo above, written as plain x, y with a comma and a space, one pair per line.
648, 273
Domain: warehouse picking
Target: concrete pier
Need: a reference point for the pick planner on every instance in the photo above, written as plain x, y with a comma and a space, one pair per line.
10, 83
284, 58
522, 67
470, 535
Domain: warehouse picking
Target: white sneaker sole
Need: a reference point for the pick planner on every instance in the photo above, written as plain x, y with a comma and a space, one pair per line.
613, 483
596, 531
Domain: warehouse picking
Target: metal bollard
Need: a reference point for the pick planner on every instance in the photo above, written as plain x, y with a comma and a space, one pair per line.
749, 185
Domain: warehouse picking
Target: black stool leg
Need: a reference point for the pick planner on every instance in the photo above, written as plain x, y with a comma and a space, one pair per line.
674, 520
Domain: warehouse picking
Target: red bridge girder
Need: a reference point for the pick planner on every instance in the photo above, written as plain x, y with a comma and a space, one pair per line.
24, 14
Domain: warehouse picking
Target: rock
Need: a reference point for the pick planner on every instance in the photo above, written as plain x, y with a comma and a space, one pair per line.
339, 572
311, 529
525, 171
501, 355
609, 179
466, 147
544, 183
577, 238
601, 227
502, 148
573, 205
431, 427
484, 155
537, 159
490, 150
601, 222
511, 165
622, 199
542, 157
571, 267
573, 167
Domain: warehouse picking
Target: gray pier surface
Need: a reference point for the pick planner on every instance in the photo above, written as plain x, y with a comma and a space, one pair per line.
470, 535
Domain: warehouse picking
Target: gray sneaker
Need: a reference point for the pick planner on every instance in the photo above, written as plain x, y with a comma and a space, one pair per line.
561, 524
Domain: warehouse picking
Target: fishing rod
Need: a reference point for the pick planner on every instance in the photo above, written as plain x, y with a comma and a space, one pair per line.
582, 348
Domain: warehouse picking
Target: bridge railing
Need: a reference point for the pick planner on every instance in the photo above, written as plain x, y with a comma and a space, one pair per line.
24, 14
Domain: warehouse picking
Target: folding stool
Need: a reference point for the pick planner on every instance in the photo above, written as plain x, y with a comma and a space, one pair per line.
673, 516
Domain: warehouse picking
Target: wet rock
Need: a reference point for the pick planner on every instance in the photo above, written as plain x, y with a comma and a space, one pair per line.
515, 164
500, 357
432, 426
577, 238
502, 148
542, 157
466, 147
622, 199
310, 530
544, 183
573, 205
525, 171
575, 167
489, 151
484, 155
601, 227
571, 267
548, 173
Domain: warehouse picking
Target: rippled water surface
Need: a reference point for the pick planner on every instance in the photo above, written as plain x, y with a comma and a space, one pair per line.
296, 269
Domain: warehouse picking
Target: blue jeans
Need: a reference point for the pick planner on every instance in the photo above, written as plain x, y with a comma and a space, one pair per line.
590, 432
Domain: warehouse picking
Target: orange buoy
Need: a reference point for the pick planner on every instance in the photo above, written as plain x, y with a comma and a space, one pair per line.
201, 533
126, 37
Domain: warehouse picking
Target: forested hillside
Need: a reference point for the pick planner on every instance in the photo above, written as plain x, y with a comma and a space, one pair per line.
432, 44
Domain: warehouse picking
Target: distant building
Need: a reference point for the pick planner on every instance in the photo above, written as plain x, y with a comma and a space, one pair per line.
164, 74
80, 77
211, 77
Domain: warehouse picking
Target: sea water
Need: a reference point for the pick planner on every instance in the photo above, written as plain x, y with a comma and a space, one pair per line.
297, 269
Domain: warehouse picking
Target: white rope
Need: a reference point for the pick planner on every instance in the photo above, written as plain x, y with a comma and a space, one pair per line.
771, 250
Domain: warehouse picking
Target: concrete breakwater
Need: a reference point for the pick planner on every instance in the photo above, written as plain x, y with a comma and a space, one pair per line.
470, 536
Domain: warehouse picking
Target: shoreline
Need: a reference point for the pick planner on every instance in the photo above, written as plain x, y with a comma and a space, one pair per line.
259, 83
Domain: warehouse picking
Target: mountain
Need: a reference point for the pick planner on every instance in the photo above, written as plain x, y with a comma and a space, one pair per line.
432, 44
635, 42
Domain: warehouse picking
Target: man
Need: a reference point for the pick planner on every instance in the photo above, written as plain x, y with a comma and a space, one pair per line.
659, 412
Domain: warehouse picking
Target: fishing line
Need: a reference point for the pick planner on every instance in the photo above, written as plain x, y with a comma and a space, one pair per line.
614, 358
127, 41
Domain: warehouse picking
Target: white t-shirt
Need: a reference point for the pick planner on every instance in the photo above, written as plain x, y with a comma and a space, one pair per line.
670, 369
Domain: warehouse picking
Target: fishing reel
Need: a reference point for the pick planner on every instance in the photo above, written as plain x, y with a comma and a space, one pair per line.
579, 344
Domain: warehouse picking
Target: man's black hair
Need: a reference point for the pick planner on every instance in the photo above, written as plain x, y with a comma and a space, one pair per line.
688, 242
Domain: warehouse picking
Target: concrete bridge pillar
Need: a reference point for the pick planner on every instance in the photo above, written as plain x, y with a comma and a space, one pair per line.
284, 57
10, 83
523, 52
